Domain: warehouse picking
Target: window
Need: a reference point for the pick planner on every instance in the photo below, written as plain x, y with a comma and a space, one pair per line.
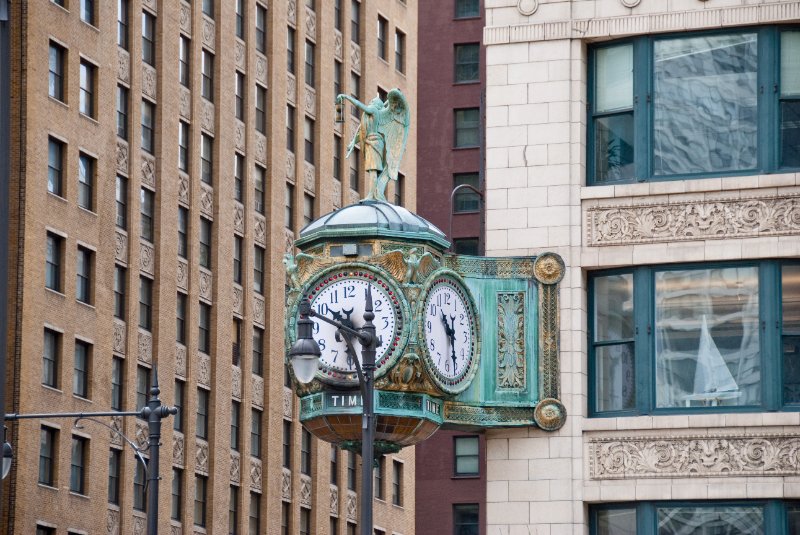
235, 424
237, 341
399, 187
255, 432
207, 76
789, 101
467, 246
205, 243
467, 8
145, 303
239, 96
355, 85
122, 202
290, 128
81, 369
148, 38
120, 289
146, 201
290, 50
287, 444
88, 88
237, 259
47, 455
206, 158
148, 119
466, 451
123, 21
382, 28
238, 176
77, 468
261, 109
351, 529
201, 422
87, 11
183, 232
56, 76
258, 269
83, 271
208, 9
284, 518
337, 77
258, 186
200, 490
289, 207
305, 452
117, 380
176, 495
261, 28
355, 162
52, 271
233, 511
254, 518
355, 15
337, 158
305, 521
688, 337
466, 519
114, 470
378, 475
397, 483
351, 470
467, 63
239, 22
51, 357
308, 139
308, 209
86, 170
258, 351
337, 15
309, 57
334, 464
467, 127
122, 112
204, 339
183, 146
142, 386
184, 61
399, 51
180, 403
311, 4
465, 199
180, 318
139, 486
55, 166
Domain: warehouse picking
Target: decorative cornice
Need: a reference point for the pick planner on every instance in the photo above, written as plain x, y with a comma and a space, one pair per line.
610, 27
694, 456
703, 220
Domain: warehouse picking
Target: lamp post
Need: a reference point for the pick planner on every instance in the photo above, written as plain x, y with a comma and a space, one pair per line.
304, 356
452, 199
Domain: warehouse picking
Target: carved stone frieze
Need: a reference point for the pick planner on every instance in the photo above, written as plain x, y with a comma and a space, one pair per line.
258, 310
121, 247
123, 66
116, 431
238, 304
208, 33
261, 69
236, 382
235, 471
337, 44
207, 200
182, 274
261, 148
308, 177
186, 18
112, 522
175, 529
286, 485
207, 119
260, 230
288, 395
149, 81
240, 136
334, 509
201, 456
350, 505
238, 218
290, 166
355, 57
206, 284
149, 170
305, 490
702, 220
185, 104
310, 102
288, 237
147, 258
151, 4
511, 369
337, 194
258, 391
144, 347
311, 23
120, 339
183, 188
240, 55
141, 434
694, 456
255, 473
291, 89
291, 11
122, 156
203, 370
178, 448
139, 524
180, 360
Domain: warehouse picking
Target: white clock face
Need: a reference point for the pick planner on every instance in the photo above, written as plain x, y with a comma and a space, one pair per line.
449, 331
341, 296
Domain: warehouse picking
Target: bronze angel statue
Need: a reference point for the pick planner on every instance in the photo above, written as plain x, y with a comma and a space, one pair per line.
382, 137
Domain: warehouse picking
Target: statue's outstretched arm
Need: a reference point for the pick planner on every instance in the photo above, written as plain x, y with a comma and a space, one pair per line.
357, 103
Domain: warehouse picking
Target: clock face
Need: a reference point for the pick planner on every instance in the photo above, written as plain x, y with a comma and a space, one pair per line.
341, 296
449, 333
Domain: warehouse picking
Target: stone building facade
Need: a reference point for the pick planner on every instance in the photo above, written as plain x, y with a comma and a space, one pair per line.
165, 154
654, 146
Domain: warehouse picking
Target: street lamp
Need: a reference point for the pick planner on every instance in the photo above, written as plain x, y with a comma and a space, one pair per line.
304, 357
8, 454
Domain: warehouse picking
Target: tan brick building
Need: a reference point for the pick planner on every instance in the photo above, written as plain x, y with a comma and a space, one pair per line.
164, 156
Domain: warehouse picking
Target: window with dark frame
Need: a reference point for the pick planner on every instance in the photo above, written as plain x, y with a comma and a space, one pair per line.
259, 179
400, 51
289, 207
261, 28
122, 112
377, 473
53, 255
185, 61
337, 15
334, 464
206, 158
287, 444
81, 378
236, 335
466, 200
258, 269
397, 483
351, 470
180, 317
238, 176
305, 521
123, 22
204, 329
290, 125
337, 77
145, 303
466, 452
236, 408
176, 495
148, 125
467, 127
308, 140
200, 496
355, 16
180, 403
466, 246
139, 487
56, 74
208, 8
86, 178
254, 515
466, 519
114, 470
240, 19
310, 51
305, 452
55, 166
337, 157
355, 163
51, 358
261, 109
237, 259
148, 38
467, 63
239, 96
233, 511
255, 433
183, 146
121, 199
183, 232
146, 214
285, 518
117, 383
467, 9
204, 249
142, 387
48, 446
201, 420
88, 89
77, 469
258, 351
207, 76
355, 91
399, 190
383, 25
308, 209
290, 53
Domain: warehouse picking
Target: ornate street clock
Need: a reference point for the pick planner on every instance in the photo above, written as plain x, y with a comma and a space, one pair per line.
449, 330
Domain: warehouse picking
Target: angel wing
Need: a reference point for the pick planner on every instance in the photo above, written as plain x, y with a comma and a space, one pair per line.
393, 123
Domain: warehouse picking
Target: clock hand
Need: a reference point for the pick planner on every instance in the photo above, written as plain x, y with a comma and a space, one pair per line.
453, 342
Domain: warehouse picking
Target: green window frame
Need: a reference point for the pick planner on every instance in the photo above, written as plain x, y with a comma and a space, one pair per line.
685, 338
673, 106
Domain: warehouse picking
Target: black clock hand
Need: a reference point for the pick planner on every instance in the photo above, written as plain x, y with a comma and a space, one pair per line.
453, 341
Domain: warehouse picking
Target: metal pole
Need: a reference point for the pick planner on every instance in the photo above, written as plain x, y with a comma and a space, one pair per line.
368, 417
155, 413
452, 197
5, 177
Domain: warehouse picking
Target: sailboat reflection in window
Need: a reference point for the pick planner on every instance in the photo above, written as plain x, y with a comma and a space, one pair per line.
713, 381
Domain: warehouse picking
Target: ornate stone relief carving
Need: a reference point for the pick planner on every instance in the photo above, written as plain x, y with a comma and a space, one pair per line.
140, 435
121, 247
145, 347
138, 524
238, 305
334, 509
288, 243
290, 166
355, 57
182, 275
208, 33
207, 200
201, 456
178, 442
185, 105
149, 170
258, 310
208, 116
206, 284
180, 360
236, 382
235, 473
260, 230
352, 509
112, 522
147, 258
255, 473
311, 23
337, 194
203, 370
149, 81
261, 148
175, 529
239, 136
258, 391
261, 69
632, 3
122, 157
308, 177
286, 485
241, 57
337, 44
238, 218
123, 66
527, 7
186, 18
152, 4
120, 337
310, 102
511, 369
115, 431
288, 395
305, 490
183, 188
703, 220
694, 456
291, 89
291, 11
354, 196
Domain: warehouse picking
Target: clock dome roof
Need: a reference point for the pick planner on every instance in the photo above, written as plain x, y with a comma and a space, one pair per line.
372, 219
